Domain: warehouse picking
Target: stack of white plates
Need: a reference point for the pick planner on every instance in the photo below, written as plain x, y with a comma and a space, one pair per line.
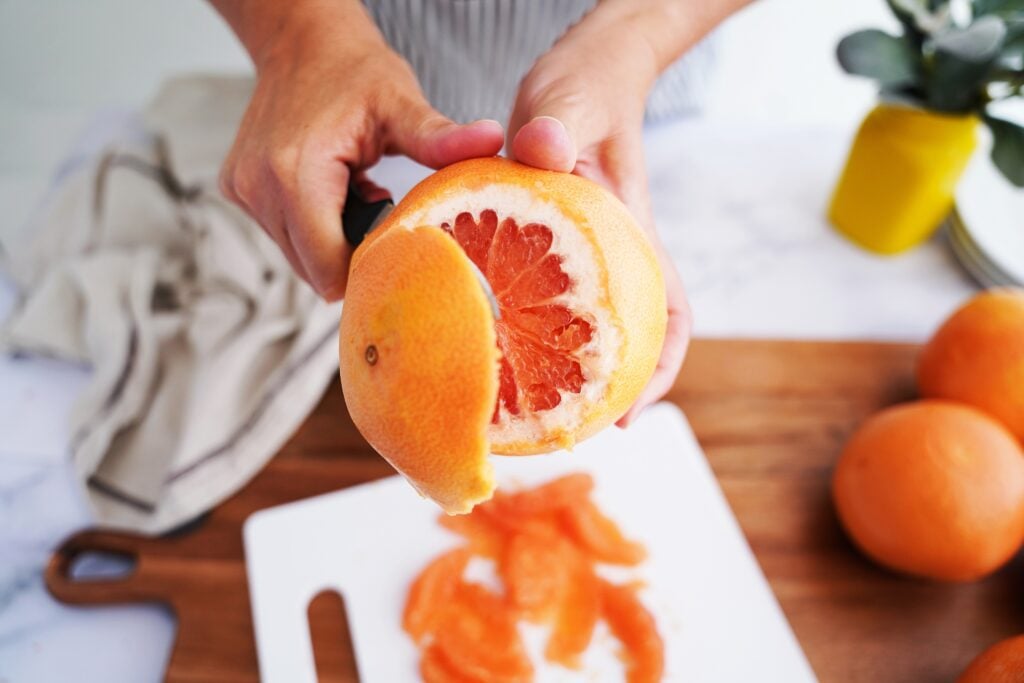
986, 229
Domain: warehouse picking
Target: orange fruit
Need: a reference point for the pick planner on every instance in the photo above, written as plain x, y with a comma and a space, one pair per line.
435, 377
933, 488
1001, 663
977, 357
432, 590
636, 629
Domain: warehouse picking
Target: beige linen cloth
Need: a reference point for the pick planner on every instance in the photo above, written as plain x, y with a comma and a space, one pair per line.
207, 351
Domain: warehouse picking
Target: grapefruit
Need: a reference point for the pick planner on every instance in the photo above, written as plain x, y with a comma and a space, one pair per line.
1001, 663
934, 489
499, 308
977, 357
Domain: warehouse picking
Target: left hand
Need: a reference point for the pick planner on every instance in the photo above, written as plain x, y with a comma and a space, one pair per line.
580, 109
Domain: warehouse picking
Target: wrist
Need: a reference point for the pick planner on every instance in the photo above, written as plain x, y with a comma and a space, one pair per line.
277, 31
664, 28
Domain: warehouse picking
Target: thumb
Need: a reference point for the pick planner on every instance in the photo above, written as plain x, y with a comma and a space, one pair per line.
548, 127
421, 133
545, 142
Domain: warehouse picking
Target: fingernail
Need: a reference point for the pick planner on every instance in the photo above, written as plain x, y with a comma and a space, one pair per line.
486, 121
550, 118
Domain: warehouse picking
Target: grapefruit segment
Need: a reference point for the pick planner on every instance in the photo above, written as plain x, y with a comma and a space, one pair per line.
478, 636
431, 592
552, 496
601, 537
534, 579
577, 612
634, 626
469, 633
435, 668
474, 236
485, 537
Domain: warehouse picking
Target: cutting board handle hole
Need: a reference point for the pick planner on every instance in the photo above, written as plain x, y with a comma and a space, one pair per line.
328, 627
100, 565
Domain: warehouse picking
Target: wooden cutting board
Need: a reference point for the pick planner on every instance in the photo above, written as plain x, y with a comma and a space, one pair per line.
771, 417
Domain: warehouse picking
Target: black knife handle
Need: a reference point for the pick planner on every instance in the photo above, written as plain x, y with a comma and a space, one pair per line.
358, 215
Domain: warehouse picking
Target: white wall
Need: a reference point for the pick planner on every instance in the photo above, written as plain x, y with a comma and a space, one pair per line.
100, 52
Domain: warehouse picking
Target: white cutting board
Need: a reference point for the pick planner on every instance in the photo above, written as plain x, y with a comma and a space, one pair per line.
715, 610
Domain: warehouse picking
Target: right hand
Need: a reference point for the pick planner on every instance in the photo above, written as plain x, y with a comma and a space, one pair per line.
328, 104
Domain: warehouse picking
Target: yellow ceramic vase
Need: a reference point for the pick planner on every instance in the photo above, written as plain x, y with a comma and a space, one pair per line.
898, 183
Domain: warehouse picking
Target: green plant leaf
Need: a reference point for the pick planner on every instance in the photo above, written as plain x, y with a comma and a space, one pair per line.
906, 11
979, 42
876, 54
1014, 42
1008, 148
956, 85
1003, 8
962, 60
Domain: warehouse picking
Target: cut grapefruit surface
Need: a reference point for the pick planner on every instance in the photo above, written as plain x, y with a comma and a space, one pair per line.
541, 339
578, 328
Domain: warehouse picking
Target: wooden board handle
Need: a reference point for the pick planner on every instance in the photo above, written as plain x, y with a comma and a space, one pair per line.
136, 586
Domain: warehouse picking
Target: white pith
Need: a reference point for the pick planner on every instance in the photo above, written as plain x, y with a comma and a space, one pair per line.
580, 262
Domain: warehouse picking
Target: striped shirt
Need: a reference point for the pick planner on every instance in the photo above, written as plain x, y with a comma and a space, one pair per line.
470, 55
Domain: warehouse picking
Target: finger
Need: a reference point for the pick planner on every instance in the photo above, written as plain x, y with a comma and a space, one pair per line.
269, 218
550, 127
313, 196
417, 130
677, 336
620, 166
275, 228
545, 142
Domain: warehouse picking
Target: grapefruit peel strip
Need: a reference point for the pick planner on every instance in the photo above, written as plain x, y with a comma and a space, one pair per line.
419, 363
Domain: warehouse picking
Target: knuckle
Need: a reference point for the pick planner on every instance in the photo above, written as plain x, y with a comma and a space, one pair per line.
282, 162
245, 185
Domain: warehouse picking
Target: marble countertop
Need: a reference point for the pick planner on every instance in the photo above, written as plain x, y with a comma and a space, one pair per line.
739, 197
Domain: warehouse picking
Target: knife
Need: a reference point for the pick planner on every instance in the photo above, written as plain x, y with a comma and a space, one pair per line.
359, 217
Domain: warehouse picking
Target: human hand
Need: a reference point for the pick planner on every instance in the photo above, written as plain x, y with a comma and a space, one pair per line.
328, 104
580, 109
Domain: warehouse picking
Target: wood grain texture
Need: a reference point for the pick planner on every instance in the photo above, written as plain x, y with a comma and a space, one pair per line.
771, 416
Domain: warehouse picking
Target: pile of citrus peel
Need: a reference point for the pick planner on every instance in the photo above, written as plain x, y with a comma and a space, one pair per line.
546, 543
